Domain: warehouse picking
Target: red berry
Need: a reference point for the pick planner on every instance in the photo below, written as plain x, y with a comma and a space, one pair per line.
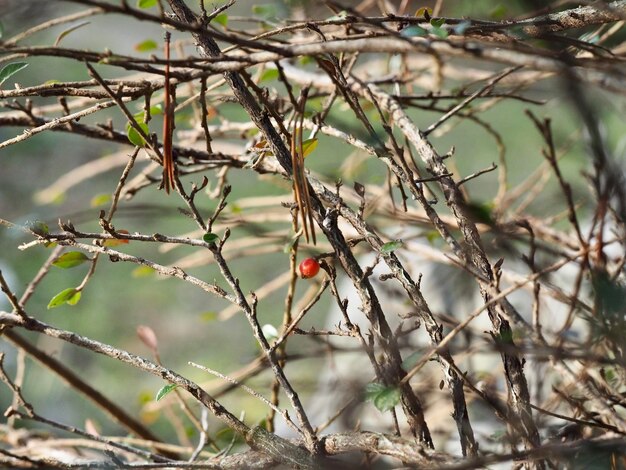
309, 268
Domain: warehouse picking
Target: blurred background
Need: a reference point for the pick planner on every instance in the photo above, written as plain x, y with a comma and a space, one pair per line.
191, 325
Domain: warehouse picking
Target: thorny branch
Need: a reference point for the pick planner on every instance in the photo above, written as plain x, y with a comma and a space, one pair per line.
365, 77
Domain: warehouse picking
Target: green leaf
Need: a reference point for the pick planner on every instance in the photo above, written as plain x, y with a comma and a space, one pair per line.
308, 146
58, 198
481, 212
413, 31
99, 200
498, 12
210, 237
208, 316
70, 259
68, 31
39, 228
432, 236
11, 69
147, 45
146, 3
411, 360
390, 247
424, 11
1, 30
144, 397
222, 19
372, 390
439, 32
73, 300
51, 82
134, 137
384, 398
438, 22
264, 11
142, 271
289, 245
154, 111
165, 390
387, 399
70, 296
269, 75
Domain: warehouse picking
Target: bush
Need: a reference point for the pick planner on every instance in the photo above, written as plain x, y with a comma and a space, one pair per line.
439, 170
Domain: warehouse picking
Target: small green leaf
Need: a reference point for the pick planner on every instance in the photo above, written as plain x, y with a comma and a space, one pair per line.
145, 46
264, 11
498, 12
210, 237
481, 212
308, 146
437, 22
387, 399
439, 32
74, 299
372, 390
58, 198
51, 82
146, 3
11, 69
144, 397
424, 11
134, 137
411, 360
289, 245
70, 296
68, 31
222, 19
39, 228
390, 247
156, 110
99, 200
413, 31
432, 236
1, 30
269, 75
70, 259
165, 390
208, 316
142, 271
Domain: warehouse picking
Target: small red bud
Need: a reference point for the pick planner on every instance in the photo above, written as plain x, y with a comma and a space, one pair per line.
309, 268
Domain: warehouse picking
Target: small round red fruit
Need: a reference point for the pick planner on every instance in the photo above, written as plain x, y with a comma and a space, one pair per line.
309, 268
